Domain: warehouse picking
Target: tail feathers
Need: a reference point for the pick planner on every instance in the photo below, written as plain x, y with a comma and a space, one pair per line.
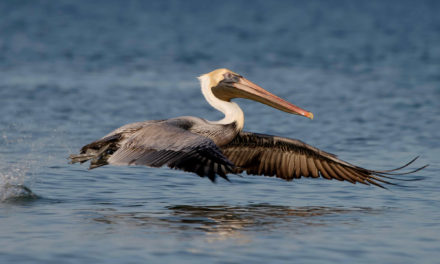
97, 152
80, 158
97, 158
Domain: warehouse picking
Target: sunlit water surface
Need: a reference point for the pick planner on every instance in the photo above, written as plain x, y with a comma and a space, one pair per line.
71, 71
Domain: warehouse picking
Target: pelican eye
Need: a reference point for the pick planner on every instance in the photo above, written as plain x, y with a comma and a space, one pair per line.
230, 78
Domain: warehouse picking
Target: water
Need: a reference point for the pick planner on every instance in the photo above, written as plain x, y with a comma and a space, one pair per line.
71, 71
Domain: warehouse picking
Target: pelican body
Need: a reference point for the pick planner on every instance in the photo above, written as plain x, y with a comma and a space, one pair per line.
211, 148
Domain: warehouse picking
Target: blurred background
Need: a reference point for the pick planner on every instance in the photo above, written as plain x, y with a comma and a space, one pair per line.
71, 71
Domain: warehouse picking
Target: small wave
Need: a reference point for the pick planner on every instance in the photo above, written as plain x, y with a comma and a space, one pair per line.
12, 187
11, 192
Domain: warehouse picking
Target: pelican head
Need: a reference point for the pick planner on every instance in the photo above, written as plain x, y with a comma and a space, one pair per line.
226, 85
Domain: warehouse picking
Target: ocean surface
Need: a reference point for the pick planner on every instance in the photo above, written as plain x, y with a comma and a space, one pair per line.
72, 71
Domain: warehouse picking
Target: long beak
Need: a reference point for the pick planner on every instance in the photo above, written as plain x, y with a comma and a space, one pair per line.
249, 90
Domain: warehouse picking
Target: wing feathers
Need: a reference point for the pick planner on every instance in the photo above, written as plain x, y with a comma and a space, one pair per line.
303, 166
288, 159
160, 143
312, 167
297, 166
322, 170
157, 144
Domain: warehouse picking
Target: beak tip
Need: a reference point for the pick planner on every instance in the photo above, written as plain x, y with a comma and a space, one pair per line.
310, 115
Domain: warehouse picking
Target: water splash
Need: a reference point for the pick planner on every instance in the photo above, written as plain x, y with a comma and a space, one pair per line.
18, 165
12, 184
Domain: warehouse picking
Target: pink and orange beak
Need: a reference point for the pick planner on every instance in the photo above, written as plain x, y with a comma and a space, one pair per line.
234, 86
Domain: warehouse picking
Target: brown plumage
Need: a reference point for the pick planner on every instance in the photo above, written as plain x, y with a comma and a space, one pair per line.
210, 148
288, 159
157, 144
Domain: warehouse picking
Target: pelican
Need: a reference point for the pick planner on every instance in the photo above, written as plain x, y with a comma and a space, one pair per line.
218, 148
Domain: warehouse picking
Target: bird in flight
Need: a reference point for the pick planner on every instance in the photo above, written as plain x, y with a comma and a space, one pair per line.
219, 148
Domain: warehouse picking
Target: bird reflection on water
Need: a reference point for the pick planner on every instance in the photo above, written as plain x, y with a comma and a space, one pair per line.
222, 222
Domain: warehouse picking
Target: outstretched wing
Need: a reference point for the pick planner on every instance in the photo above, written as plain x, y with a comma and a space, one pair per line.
285, 158
160, 144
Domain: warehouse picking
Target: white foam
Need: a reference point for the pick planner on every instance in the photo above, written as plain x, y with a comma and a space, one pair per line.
12, 182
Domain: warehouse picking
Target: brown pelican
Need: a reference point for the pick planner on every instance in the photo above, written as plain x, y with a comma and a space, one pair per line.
210, 148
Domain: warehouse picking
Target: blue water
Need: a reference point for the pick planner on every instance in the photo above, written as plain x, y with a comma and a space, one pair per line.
71, 71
